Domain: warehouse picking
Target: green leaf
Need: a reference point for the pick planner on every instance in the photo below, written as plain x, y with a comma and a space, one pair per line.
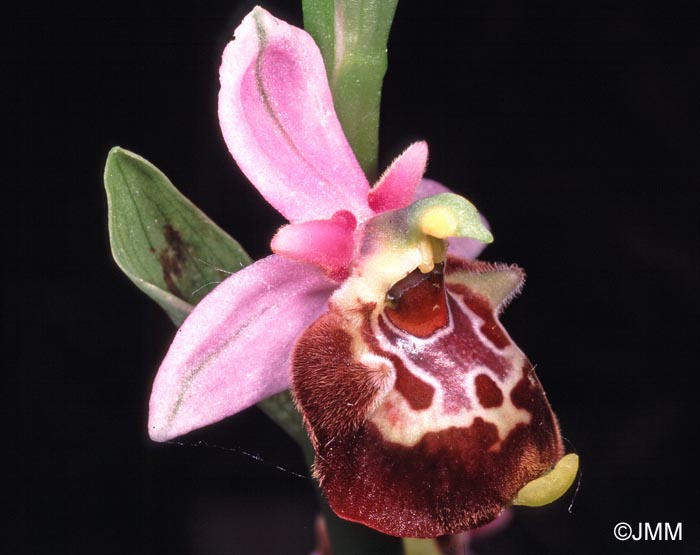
168, 247
352, 36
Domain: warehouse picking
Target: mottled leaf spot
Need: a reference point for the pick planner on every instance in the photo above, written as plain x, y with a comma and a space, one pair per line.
172, 258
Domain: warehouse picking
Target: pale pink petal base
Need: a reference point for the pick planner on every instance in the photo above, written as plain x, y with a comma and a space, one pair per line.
328, 244
397, 185
277, 117
462, 247
233, 350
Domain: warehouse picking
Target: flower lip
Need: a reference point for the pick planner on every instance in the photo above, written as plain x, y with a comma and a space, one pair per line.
438, 420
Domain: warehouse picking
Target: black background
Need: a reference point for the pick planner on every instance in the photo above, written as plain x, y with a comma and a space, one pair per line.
573, 128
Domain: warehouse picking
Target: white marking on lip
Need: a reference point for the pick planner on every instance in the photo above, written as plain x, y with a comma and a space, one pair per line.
399, 423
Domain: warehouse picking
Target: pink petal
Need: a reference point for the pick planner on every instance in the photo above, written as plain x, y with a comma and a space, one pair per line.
462, 247
277, 117
233, 350
396, 187
328, 244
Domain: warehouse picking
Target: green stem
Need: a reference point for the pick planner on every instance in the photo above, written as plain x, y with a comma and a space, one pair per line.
352, 36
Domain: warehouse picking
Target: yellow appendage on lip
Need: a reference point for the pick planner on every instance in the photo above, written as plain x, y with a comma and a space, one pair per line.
551, 486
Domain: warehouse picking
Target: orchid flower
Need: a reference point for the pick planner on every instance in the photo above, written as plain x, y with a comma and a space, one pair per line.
425, 417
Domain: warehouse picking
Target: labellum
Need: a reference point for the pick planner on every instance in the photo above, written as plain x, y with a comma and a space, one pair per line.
426, 418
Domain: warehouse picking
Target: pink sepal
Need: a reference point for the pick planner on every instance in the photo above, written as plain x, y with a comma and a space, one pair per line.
328, 244
277, 117
462, 247
233, 349
397, 185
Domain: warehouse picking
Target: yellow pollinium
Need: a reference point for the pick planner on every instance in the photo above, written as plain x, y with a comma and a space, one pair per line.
432, 251
551, 486
439, 221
